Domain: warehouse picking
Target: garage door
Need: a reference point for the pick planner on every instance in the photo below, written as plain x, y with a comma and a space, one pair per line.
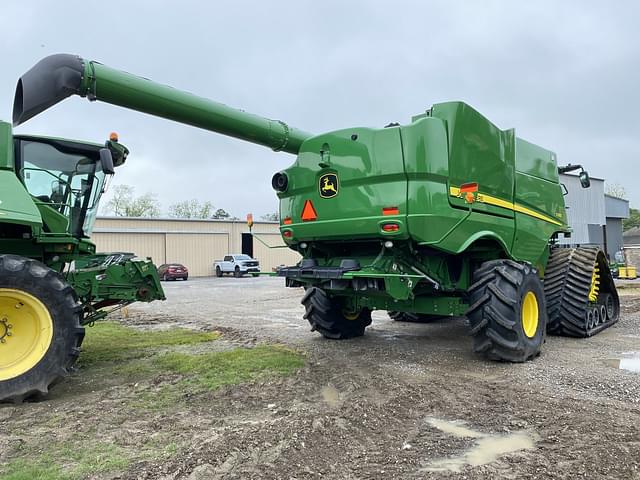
196, 251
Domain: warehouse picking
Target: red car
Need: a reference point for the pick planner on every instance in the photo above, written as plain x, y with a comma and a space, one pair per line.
173, 271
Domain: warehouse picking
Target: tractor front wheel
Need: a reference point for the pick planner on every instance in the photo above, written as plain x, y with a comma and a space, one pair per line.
328, 316
40, 332
507, 313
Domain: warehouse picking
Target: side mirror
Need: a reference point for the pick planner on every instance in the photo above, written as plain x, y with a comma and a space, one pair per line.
584, 179
106, 161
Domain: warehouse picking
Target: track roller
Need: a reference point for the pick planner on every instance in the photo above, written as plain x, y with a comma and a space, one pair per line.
581, 296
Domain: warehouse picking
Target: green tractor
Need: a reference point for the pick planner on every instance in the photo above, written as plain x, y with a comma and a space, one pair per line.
445, 216
52, 282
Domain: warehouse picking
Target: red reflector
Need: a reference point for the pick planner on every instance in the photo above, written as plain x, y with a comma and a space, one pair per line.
287, 221
308, 212
287, 234
469, 187
390, 227
390, 211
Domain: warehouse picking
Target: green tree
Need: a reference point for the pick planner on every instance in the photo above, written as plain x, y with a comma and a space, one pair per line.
222, 215
124, 203
633, 220
191, 209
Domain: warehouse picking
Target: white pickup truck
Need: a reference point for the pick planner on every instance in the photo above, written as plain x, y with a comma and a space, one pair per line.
238, 264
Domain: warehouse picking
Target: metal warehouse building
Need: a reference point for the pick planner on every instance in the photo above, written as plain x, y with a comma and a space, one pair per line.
596, 218
194, 243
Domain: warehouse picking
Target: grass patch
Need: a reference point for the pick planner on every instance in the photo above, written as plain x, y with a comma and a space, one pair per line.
210, 371
125, 354
66, 463
111, 342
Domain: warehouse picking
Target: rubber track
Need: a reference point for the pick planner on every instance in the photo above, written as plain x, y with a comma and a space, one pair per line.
567, 282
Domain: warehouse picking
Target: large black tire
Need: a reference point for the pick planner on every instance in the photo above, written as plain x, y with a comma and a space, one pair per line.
218, 272
568, 282
237, 273
23, 276
326, 315
413, 317
501, 313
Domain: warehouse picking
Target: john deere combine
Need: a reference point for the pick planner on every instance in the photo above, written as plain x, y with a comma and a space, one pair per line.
49, 194
447, 215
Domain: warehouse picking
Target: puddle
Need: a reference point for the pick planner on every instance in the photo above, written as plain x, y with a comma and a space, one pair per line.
487, 448
330, 395
630, 362
457, 429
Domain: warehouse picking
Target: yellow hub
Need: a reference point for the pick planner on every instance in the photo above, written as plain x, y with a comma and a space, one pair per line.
350, 315
595, 284
529, 314
26, 332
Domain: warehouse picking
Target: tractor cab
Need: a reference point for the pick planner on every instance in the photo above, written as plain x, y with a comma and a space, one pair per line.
66, 179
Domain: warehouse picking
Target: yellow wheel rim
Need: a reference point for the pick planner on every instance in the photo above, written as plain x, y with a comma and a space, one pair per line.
530, 314
350, 315
26, 331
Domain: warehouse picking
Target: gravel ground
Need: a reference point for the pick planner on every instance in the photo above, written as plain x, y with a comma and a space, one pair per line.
404, 401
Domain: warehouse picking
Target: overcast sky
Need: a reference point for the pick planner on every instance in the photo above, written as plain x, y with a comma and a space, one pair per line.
565, 74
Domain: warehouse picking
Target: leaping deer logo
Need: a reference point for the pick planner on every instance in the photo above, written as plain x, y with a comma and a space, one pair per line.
328, 185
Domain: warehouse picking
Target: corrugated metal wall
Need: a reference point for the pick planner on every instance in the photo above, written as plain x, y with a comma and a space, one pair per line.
194, 243
585, 208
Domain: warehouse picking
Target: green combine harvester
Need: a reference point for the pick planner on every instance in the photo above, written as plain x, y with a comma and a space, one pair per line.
50, 189
445, 216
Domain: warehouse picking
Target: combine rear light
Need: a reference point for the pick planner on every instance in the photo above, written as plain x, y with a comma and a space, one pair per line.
469, 187
390, 211
287, 234
287, 221
390, 227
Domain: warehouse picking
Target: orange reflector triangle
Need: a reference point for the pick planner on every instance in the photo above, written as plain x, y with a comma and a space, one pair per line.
308, 212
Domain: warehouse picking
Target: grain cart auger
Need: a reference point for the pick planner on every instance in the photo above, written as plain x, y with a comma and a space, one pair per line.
447, 215
49, 194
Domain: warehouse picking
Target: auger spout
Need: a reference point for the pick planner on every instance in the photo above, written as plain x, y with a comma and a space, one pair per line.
57, 77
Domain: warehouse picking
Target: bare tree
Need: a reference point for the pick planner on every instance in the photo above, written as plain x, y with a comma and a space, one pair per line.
123, 203
616, 190
191, 209
271, 217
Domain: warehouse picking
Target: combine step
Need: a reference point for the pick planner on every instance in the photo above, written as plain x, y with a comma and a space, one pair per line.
581, 296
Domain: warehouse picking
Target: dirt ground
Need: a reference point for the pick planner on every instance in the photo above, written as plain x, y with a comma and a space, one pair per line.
404, 401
